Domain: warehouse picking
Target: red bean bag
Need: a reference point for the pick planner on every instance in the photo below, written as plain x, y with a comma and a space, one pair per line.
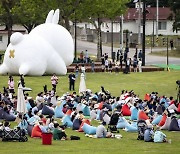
125, 110
142, 115
36, 132
84, 121
147, 97
163, 120
100, 105
69, 112
178, 109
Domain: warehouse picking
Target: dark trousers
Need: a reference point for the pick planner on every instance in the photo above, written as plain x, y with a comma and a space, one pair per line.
71, 86
54, 87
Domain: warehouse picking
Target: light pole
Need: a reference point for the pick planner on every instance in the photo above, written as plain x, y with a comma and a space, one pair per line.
157, 18
144, 33
121, 32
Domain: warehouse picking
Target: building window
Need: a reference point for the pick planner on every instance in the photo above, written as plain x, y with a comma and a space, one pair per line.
1, 38
162, 25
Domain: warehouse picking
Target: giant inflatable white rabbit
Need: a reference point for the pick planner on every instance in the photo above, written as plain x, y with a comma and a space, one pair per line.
47, 49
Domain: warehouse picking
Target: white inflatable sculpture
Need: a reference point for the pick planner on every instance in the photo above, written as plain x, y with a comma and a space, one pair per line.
47, 49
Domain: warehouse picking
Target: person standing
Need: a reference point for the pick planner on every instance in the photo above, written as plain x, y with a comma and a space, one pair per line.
54, 81
76, 70
11, 84
121, 58
72, 79
135, 63
106, 65
92, 66
86, 56
110, 66
83, 70
171, 44
118, 53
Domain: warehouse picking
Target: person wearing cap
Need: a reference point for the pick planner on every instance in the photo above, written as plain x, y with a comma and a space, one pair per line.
149, 133
72, 79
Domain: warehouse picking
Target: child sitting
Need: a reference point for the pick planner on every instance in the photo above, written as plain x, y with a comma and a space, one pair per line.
148, 134
58, 133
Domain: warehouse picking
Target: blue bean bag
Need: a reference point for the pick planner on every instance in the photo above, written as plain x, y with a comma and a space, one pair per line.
122, 122
28, 106
76, 124
67, 120
134, 113
98, 114
23, 124
58, 112
47, 111
63, 102
114, 105
31, 120
157, 120
86, 111
75, 104
91, 130
131, 128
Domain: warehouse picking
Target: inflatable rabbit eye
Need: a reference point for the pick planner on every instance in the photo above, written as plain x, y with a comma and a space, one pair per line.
47, 49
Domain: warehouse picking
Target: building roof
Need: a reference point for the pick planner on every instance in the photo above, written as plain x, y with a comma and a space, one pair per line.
13, 31
164, 13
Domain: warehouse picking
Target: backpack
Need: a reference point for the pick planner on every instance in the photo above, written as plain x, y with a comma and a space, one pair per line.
141, 129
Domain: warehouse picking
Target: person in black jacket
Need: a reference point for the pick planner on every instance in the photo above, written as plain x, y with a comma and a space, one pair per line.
72, 79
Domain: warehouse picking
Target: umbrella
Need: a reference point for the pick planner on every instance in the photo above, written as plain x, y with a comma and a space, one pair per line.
21, 106
82, 86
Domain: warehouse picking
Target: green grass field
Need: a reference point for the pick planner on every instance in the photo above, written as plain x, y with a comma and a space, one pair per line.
141, 83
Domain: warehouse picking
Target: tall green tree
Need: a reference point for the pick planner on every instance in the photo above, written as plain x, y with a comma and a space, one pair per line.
175, 7
94, 11
31, 13
6, 15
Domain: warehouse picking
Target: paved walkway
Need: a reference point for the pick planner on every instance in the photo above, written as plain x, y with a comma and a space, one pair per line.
150, 59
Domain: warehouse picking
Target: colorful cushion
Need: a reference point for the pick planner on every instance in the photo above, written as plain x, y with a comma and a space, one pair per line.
130, 128
163, 120
29, 129
174, 125
58, 112
69, 112
134, 113
125, 110
86, 111
167, 123
47, 111
122, 122
142, 115
98, 114
36, 132
157, 120
76, 124
89, 129
67, 120
147, 97
83, 122
100, 105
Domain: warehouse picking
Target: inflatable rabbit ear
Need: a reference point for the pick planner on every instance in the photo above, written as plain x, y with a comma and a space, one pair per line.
55, 18
50, 17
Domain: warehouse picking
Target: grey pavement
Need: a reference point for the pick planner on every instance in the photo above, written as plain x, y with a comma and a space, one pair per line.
150, 59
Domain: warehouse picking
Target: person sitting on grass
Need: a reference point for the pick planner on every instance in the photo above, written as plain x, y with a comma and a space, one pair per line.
7, 126
101, 131
159, 137
148, 134
58, 133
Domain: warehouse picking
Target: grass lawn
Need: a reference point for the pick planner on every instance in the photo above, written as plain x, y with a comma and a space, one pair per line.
141, 83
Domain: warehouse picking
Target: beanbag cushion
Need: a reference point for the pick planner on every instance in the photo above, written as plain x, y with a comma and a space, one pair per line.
142, 115
125, 110
80, 107
134, 113
122, 122
86, 111
63, 102
98, 114
83, 122
23, 125
67, 120
69, 112
47, 111
167, 123
93, 114
106, 119
76, 124
8, 117
157, 120
163, 120
114, 105
1, 113
89, 129
36, 132
174, 125
147, 97
29, 129
130, 128
32, 120
58, 112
